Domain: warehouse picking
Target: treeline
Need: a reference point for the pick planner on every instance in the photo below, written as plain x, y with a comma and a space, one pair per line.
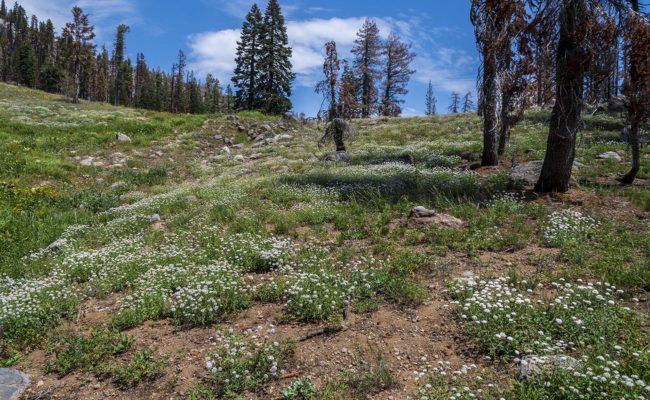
32, 54
565, 54
374, 83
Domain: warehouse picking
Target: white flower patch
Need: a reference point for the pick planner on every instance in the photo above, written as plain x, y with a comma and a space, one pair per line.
568, 225
254, 253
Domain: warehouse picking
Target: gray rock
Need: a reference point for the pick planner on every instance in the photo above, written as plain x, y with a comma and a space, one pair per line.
284, 138
532, 366
340, 156
154, 218
217, 137
56, 245
225, 149
191, 198
421, 216
529, 172
87, 162
116, 185
238, 146
99, 181
122, 138
239, 158
12, 383
421, 212
610, 155
256, 156
266, 128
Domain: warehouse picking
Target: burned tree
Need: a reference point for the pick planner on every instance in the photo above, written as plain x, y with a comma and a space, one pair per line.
328, 86
637, 85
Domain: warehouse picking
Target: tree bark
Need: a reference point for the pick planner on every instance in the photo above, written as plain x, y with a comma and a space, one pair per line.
564, 126
490, 113
635, 123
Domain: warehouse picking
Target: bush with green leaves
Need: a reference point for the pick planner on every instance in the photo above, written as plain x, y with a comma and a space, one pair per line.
142, 368
302, 389
240, 362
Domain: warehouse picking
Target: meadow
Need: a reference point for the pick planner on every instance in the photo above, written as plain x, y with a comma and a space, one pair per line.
192, 262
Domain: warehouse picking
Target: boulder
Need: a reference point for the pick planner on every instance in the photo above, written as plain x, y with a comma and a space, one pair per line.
154, 218
532, 366
339, 156
239, 158
266, 128
529, 172
122, 138
225, 149
12, 383
238, 146
421, 216
610, 155
256, 156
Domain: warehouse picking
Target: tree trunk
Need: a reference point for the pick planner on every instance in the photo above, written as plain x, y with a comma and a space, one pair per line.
560, 148
490, 112
635, 125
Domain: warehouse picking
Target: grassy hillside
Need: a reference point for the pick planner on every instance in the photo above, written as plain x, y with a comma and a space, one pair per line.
171, 267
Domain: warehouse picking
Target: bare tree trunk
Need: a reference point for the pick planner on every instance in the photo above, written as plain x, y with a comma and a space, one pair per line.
490, 111
635, 123
560, 149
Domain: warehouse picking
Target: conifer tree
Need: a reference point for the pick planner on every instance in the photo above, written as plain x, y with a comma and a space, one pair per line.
78, 49
275, 64
246, 77
430, 102
228, 100
195, 99
397, 73
367, 64
118, 65
177, 86
454, 105
328, 86
468, 103
349, 93
26, 67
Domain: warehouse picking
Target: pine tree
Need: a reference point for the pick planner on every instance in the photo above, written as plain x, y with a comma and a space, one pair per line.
397, 74
118, 64
430, 101
228, 100
195, 98
78, 50
275, 64
26, 65
246, 77
454, 105
178, 85
328, 86
141, 76
349, 93
468, 103
367, 64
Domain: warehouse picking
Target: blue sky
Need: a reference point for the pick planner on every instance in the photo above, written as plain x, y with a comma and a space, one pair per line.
207, 31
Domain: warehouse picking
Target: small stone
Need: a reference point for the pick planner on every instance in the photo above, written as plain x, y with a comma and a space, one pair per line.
191, 198
239, 158
99, 181
225, 149
421, 212
122, 138
284, 137
266, 128
610, 155
87, 162
256, 156
154, 218
238, 146
56, 245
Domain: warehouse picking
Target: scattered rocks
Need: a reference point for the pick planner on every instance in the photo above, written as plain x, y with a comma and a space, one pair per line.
12, 383
531, 366
122, 138
421, 216
610, 155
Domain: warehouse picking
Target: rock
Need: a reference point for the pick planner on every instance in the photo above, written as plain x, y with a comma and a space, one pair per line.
238, 146
284, 138
239, 158
217, 137
475, 166
87, 162
12, 383
154, 218
339, 156
529, 172
266, 128
256, 156
122, 138
116, 185
610, 155
313, 159
531, 366
99, 181
191, 198
56, 245
258, 144
421, 212
421, 216
289, 116
617, 104
225, 149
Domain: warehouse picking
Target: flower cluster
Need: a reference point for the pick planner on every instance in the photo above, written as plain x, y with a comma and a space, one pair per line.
462, 383
318, 296
243, 361
211, 292
567, 226
254, 253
